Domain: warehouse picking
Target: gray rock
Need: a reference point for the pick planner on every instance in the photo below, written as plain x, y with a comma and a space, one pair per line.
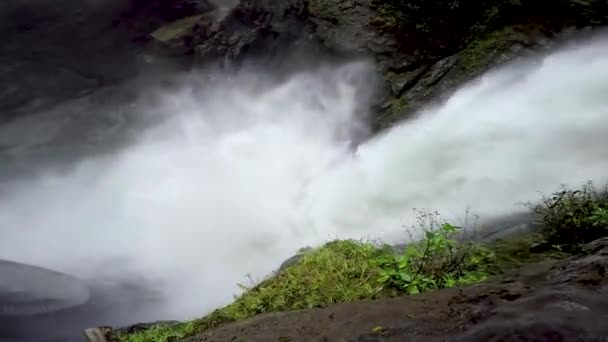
294, 259
29, 290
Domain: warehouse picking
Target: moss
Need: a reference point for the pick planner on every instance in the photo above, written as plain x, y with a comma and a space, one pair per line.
399, 105
481, 51
341, 271
394, 112
329, 10
176, 29
522, 250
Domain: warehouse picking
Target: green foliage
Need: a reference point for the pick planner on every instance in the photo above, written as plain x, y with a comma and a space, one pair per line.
522, 249
573, 217
161, 333
478, 54
438, 261
344, 271
339, 272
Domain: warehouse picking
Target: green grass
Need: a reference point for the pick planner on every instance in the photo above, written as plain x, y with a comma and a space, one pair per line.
162, 333
345, 271
339, 272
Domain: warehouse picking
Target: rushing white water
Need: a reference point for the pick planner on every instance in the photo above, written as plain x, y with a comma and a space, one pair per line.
236, 180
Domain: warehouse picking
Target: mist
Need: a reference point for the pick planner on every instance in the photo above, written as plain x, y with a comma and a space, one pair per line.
233, 178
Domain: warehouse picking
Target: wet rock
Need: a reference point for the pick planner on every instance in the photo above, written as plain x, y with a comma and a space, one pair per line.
142, 17
598, 247
422, 55
566, 304
275, 35
588, 270
546, 314
27, 290
294, 259
181, 36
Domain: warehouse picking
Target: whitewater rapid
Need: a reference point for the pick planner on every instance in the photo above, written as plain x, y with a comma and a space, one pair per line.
235, 179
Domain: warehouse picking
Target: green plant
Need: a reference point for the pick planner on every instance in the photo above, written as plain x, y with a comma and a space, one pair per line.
160, 333
437, 261
338, 272
343, 271
573, 217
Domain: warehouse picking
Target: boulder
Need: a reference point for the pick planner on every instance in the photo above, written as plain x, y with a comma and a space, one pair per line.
30, 290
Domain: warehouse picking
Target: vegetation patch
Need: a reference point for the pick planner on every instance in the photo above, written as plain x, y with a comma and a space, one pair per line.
344, 271
161, 333
434, 26
330, 10
440, 260
392, 114
572, 218
482, 51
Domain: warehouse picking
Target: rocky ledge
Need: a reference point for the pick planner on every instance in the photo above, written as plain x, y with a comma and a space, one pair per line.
551, 299
422, 49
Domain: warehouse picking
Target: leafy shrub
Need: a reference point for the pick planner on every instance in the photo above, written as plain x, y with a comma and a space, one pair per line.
573, 217
437, 261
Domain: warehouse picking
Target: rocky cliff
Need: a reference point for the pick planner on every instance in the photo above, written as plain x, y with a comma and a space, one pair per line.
422, 49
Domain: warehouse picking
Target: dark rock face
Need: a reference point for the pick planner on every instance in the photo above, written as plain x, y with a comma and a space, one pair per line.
29, 290
275, 35
423, 49
51, 53
57, 51
143, 16
568, 305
